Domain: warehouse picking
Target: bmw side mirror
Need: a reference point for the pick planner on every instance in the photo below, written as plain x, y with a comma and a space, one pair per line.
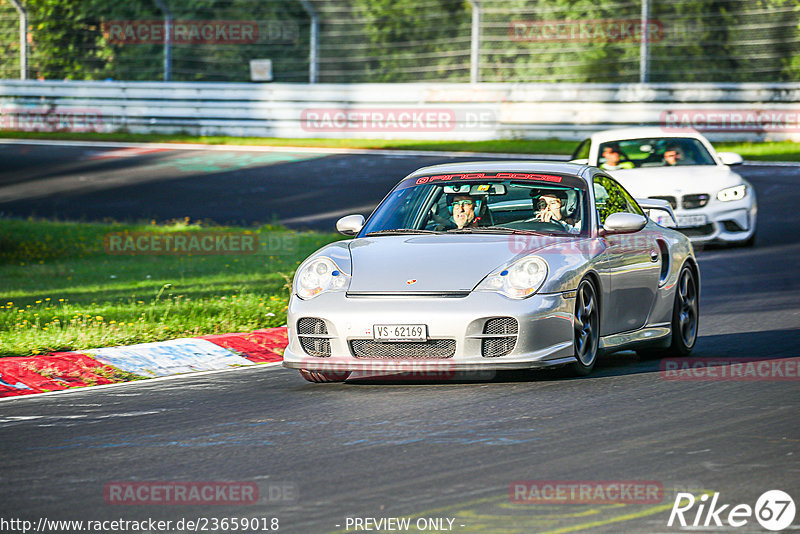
730, 158
350, 224
623, 223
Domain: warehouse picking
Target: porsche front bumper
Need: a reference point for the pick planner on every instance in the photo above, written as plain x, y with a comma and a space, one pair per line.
544, 334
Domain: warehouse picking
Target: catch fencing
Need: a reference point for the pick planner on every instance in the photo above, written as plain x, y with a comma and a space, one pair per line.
403, 41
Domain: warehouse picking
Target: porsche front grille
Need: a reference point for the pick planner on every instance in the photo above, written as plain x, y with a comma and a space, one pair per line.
314, 338
503, 332
434, 349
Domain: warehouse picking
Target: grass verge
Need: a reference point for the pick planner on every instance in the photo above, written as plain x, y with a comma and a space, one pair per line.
766, 151
64, 289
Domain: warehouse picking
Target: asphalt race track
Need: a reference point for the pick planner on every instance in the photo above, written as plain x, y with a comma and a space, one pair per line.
419, 450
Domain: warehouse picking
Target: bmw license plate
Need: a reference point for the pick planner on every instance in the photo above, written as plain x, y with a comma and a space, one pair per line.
400, 332
691, 220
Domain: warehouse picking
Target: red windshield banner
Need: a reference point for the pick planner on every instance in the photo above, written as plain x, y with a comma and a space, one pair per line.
483, 176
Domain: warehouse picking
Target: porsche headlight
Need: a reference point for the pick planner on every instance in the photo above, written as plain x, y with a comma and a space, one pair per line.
318, 276
732, 193
519, 280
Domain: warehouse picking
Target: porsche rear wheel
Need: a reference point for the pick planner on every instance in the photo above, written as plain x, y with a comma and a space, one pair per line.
685, 314
586, 326
685, 318
321, 377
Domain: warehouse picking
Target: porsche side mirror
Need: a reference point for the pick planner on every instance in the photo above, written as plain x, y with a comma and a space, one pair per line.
730, 158
623, 223
350, 224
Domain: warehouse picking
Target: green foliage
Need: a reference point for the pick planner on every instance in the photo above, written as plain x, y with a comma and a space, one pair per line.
402, 37
419, 40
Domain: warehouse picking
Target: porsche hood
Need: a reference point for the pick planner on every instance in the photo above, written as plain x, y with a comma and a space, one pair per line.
434, 263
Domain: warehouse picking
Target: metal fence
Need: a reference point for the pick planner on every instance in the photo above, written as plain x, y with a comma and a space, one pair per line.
366, 41
401, 111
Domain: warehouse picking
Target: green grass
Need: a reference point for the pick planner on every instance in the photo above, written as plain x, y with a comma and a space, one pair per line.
770, 151
767, 151
63, 291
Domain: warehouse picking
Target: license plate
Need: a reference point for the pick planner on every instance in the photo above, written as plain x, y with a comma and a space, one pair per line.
400, 332
691, 220
663, 220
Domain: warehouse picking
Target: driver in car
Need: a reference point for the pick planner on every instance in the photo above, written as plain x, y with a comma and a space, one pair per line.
464, 214
464, 211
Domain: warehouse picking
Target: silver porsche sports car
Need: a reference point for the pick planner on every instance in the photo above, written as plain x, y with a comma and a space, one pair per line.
489, 266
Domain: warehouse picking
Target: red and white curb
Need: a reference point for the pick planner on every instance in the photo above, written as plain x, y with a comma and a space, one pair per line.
64, 370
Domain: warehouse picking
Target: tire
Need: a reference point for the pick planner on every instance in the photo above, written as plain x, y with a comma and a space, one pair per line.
586, 328
321, 377
685, 314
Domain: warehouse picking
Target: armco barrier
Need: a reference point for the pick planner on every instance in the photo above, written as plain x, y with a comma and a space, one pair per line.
394, 111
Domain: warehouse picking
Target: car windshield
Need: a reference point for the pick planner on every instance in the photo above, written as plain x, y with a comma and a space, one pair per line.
653, 152
483, 206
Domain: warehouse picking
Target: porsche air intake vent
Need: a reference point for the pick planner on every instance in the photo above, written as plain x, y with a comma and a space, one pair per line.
434, 349
314, 338
499, 337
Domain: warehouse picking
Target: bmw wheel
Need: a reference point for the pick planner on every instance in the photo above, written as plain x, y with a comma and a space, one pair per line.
586, 326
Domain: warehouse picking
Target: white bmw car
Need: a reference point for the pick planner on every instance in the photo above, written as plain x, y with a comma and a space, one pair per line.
712, 203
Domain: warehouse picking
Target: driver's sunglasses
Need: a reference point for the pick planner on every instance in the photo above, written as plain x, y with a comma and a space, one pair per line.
463, 203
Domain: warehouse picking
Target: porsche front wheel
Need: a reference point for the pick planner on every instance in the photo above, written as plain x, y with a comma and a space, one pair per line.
586, 327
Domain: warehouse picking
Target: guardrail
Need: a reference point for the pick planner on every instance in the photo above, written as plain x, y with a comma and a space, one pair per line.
401, 111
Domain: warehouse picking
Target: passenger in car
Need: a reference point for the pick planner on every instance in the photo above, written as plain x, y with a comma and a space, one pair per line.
672, 156
551, 208
612, 155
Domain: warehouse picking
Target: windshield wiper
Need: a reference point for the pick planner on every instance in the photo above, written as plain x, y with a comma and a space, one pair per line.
496, 230
401, 231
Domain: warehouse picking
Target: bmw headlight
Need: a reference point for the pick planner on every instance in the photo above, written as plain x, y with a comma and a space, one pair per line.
519, 280
318, 276
732, 193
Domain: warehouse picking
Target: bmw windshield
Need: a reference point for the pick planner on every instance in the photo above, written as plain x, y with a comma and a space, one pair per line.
483, 203
653, 152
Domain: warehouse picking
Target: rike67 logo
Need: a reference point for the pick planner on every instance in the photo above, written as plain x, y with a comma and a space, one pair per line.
774, 510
